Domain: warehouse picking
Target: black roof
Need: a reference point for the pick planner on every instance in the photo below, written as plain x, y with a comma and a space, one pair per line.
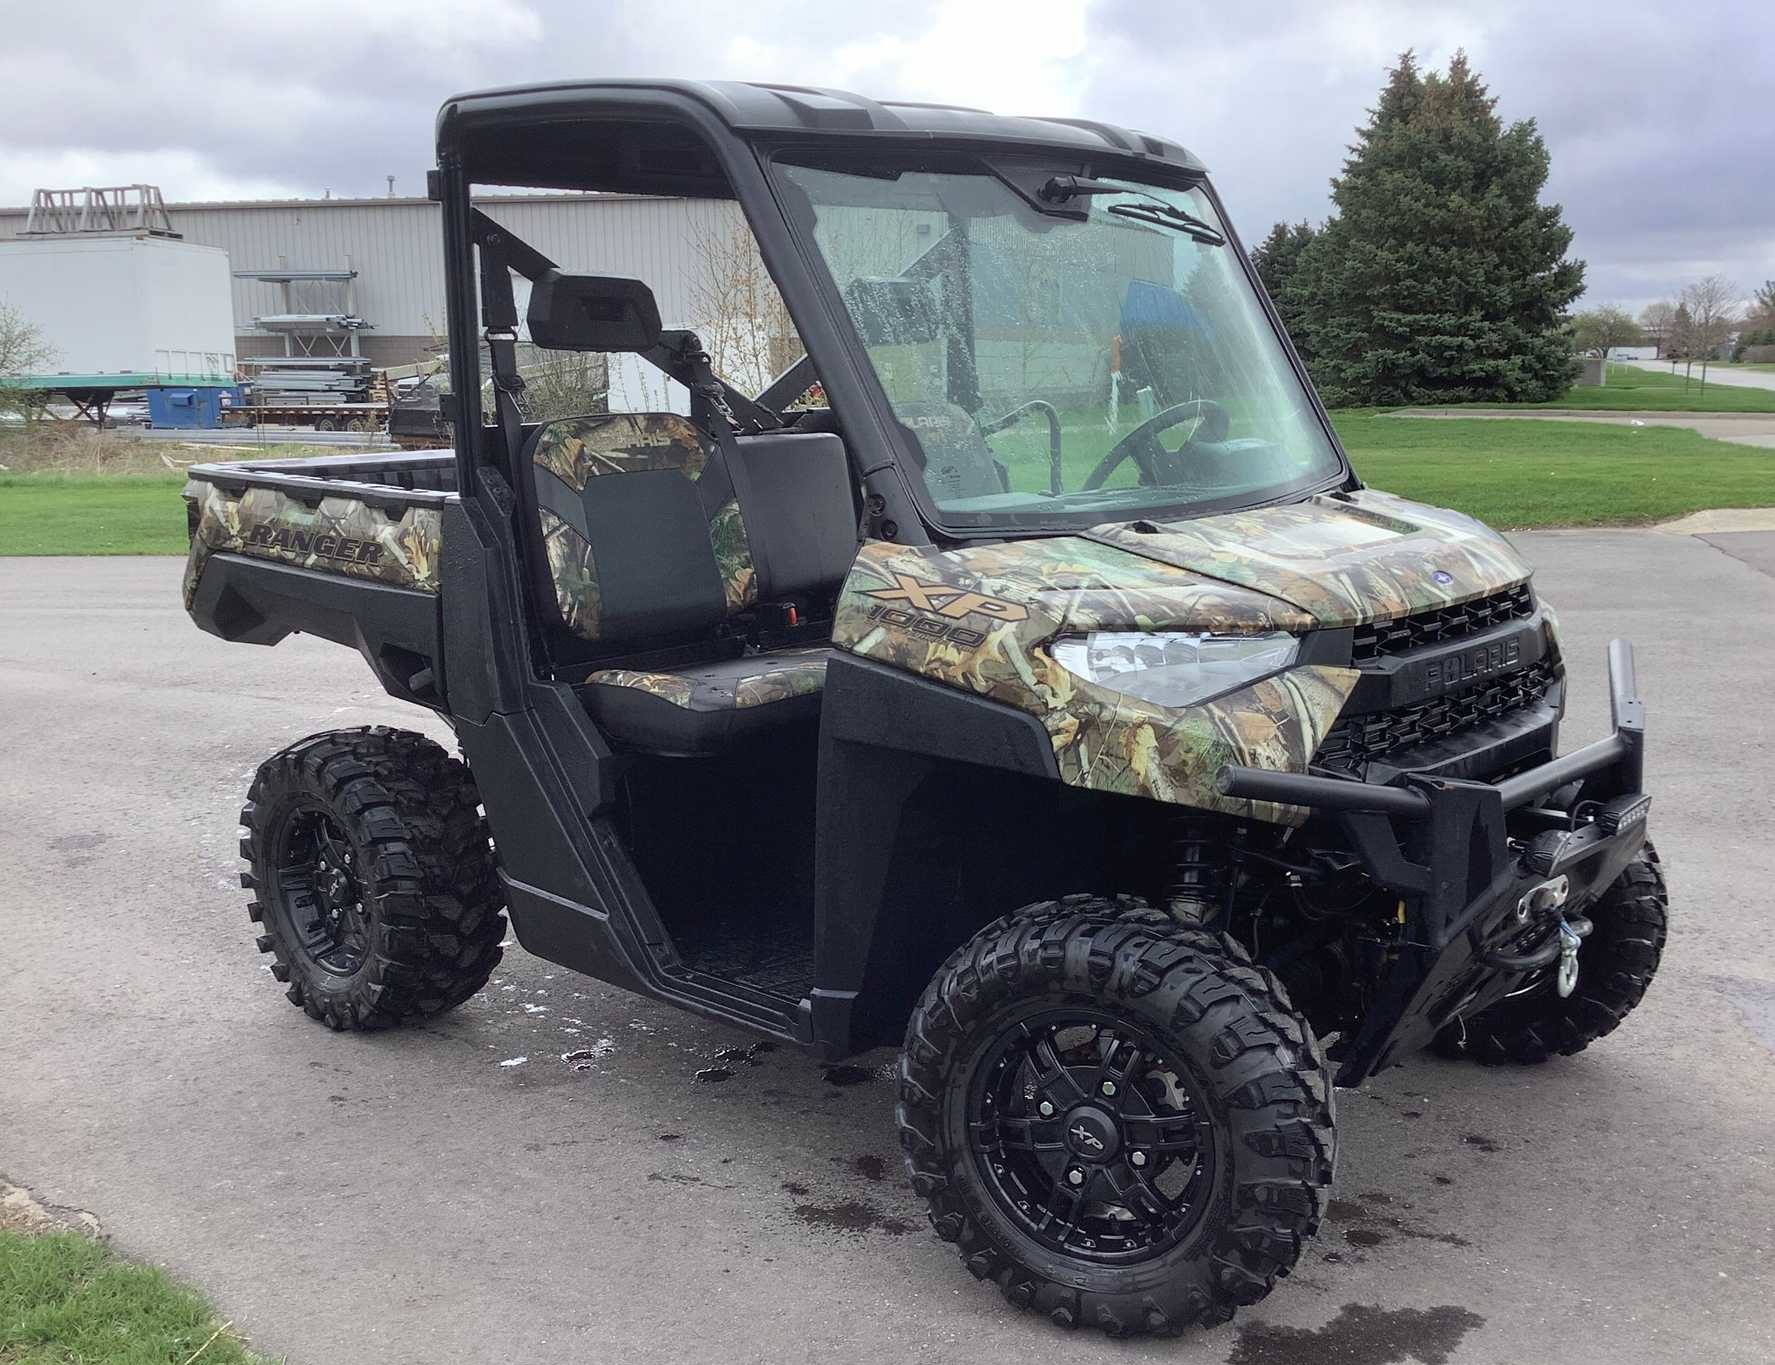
752, 109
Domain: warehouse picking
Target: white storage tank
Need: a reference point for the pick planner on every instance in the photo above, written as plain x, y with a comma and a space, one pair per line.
123, 310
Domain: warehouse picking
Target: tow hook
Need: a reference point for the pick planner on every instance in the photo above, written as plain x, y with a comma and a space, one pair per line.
1538, 900
1548, 898
1571, 938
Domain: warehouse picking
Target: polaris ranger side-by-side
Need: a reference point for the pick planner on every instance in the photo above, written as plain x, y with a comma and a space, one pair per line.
1053, 699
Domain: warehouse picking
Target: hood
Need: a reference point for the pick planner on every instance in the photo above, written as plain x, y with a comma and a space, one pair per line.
1343, 559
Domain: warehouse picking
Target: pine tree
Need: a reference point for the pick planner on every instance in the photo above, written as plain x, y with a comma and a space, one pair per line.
1441, 277
1277, 261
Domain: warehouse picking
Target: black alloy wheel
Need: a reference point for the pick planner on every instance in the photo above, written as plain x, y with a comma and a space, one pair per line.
1091, 1137
314, 880
373, 877
1119, 1120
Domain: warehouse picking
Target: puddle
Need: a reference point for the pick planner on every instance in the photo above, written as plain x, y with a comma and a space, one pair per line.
1481, 1141
847, 1074
1360, 1334
713, 1075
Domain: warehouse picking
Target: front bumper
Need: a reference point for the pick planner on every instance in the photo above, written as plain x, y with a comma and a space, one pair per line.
1464, 857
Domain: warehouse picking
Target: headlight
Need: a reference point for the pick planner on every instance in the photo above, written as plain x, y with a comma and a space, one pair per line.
1174, 668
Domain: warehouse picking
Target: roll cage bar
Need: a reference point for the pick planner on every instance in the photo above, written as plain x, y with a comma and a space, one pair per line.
716, 140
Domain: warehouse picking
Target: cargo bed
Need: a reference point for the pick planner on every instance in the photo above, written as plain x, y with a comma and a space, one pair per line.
346, 547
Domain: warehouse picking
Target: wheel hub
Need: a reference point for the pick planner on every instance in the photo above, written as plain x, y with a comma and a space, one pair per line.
1092, 1135
318, 892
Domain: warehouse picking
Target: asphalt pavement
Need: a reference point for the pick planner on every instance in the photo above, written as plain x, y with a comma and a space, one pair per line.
458, 1192
1731, 377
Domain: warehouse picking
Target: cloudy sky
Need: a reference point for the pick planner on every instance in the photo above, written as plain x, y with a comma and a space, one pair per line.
1660, 118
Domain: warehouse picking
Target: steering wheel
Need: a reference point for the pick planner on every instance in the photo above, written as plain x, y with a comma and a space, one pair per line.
1141, 445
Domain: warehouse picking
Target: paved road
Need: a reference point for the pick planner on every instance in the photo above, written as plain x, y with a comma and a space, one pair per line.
1739, 428
405, 1198
1716, 374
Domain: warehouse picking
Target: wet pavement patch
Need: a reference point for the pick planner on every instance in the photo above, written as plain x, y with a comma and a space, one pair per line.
679, 1178
1755, 1000
870, 1167
1360, 1334
1368, 1228
795, 1188
847, 1074
1481, 1141
713, 1075
746, 1056
851, 1215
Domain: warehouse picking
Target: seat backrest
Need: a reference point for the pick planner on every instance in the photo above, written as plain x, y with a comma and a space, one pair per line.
643, 538
799, 500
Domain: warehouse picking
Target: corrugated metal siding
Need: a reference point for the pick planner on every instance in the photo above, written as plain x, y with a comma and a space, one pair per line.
396, 247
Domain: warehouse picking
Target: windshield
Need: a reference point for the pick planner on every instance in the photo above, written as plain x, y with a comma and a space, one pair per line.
1099, 359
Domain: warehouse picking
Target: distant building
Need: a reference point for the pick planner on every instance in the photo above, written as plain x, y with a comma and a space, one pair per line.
395, 248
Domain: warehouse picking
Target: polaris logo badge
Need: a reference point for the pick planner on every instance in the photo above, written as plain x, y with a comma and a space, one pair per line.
1442, 578
1441, 674
326, 544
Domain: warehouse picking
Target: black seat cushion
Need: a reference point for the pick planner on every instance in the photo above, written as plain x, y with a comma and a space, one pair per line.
702, 708
639, 541
801, 513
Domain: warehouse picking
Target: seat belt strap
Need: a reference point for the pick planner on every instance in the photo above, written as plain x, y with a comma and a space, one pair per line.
724, 477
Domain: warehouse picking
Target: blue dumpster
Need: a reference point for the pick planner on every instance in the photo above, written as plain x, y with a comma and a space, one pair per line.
185, 407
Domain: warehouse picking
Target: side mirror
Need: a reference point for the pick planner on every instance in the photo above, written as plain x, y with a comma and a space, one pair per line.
592, 313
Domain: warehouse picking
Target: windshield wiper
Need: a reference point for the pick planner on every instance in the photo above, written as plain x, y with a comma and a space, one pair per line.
1063, 189
1161, 214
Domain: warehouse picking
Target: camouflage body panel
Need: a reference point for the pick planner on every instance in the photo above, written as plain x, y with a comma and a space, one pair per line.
980, 619
769, 678
338, 535
1346, 560
579, 449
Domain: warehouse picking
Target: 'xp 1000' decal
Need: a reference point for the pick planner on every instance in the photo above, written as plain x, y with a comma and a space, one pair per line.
937, 610
326, 544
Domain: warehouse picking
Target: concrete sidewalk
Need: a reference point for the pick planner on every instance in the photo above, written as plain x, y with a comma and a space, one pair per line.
408, 1198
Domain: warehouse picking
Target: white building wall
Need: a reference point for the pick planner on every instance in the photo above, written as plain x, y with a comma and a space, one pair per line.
396, 247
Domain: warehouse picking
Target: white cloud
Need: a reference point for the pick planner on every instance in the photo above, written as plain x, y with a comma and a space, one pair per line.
1656, 128
188, 173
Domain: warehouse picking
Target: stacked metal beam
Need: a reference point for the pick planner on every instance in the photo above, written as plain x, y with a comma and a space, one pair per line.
309, 379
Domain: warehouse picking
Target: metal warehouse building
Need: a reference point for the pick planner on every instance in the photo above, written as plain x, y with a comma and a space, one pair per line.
393, 247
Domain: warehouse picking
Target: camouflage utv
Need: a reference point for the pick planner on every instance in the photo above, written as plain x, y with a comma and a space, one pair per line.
1057, 703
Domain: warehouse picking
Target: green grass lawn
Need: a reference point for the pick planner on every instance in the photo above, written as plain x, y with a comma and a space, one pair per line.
1631, 389
1510, 473
83, 514
66, 1300
1525, 474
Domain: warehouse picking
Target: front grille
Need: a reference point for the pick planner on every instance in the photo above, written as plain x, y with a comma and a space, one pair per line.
1356, 741
1381, 639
